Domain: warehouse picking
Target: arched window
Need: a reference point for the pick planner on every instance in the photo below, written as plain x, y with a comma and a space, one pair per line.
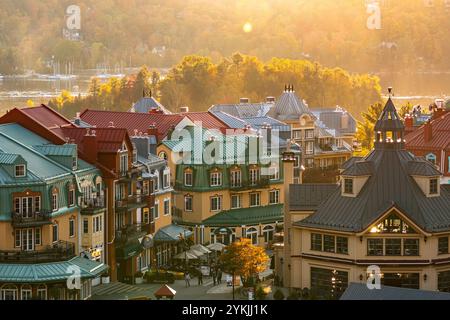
42, 292
71, 198
268, 233
188, 177
55, 199
163, 155
25, 292
252, 234
9, 292
431, 157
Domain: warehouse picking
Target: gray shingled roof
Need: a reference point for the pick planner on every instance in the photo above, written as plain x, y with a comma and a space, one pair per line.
229, 120
309, 196
389, 119
359, 291
359, 168
147, 104
333, 119
289, 106
390, 186
243, 110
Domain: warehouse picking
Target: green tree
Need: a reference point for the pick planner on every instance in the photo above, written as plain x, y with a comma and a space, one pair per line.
365, 130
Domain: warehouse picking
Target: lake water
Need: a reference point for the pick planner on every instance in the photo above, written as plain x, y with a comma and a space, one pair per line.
416, 88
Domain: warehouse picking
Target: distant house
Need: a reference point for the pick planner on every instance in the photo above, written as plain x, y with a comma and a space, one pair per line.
148, 104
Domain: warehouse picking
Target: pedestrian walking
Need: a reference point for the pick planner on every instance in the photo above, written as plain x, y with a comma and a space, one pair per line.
187, 278
219, 276
213, 273
200, 278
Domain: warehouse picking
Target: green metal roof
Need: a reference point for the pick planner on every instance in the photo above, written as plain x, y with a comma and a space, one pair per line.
171, 233
246, 216
129, 250
8, 158
66, 150
46, 272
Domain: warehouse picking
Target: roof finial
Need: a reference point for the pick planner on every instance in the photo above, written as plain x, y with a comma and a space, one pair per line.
390, 92
285, 88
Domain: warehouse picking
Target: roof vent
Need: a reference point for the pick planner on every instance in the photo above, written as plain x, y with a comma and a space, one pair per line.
244, 100
184, 109
111, 124
270, 99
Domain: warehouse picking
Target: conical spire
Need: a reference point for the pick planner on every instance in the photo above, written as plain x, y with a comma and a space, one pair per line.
389, 129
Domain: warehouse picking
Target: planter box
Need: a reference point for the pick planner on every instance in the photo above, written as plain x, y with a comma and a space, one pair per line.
106, 280
139, 280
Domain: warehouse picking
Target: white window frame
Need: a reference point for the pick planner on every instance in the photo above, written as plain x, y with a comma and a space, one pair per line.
254, 176
24, 167
185, 203
277, 196
218, 203
166, 201
258, 196
236, 178
215, 179
239, 202
186, 174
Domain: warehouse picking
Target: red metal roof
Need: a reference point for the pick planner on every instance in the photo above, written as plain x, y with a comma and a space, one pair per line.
47, 117
139, 122
108, 139
440, 135
208, 120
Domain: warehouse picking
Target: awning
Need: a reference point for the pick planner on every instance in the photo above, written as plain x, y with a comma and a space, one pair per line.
186, 255
129, 250
199, 247
216, 246
171, 233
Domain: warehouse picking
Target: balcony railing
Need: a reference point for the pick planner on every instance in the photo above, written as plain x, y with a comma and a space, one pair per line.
245, 184
93, 204
132, 202
31, 218
59, 251
133, 231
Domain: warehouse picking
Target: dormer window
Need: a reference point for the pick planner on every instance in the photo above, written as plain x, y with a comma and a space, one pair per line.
74, 163
348, 186
188, 178
216, 179
434, 186
431, 157
20, 170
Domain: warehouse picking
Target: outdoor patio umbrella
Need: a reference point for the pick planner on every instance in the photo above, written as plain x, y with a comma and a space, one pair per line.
195, 252
185, 255
216, 246
199, 247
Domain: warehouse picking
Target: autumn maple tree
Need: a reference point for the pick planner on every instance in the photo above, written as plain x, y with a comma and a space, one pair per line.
244, 259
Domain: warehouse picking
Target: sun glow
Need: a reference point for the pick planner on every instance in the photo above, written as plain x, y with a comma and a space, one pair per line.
247, 27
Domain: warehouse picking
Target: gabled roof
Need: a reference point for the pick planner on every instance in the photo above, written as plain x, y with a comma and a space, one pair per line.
440, 135
307, 197
207, 119
171, 233
47, 116
139, 122
246, 216
9, 158
289, 106
148, 104
231, 121
109, 140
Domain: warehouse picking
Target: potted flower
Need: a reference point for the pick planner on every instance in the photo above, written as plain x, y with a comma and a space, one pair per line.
139, 277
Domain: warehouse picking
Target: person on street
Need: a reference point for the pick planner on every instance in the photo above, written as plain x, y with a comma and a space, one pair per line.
187, 278
200, 278
219, 276
213, 273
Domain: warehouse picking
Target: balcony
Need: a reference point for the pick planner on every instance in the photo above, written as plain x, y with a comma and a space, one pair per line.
30, 219
133, 231
59, 251
151, 200
248, 185
132, 202
93, 206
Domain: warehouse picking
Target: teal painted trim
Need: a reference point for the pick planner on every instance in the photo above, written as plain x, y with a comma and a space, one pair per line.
63, 211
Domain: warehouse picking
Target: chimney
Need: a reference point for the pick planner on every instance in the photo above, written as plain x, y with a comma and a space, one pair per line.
409, 123
440, 109
184, 109
428, 131
77, 120
244, 100
153, 131
270, 99
90, 146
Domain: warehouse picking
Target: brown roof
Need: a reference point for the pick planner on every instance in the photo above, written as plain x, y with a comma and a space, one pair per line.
47, 117
108, 139
165, 291
208, 120
440, 135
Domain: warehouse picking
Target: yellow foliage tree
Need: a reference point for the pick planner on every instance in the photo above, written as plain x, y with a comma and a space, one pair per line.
244, 259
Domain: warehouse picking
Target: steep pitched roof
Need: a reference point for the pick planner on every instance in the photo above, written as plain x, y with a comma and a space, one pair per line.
148, 104
108, 139
440, 135
306, 197
243, 110
289, 106
47, 117
207, 119
132, 121
231, 121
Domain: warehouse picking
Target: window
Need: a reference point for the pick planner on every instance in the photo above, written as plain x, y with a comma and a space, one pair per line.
37, 236
434, 186
85, 225
393, 224
236, 178
393, 247
25, 292
71, 228
328, 283
166, 207
342, 245
296, 162
309, 163
146, 187
254, 176
74, 163
235, 201
9, 292
255, 199
37, 204
328, 243
215, 179
374, 247
274, 197
55, 201
444, 281
268, 233
410, 247
20, 171
54, 233
348, 186
431, 157
309, 133
42, 292
163, 155
252, 234
316, 242
156, 211
309, 147
166, 179
274, 173
146, 216
443, 245
71, 196
123, 163
188, 178
216, 203
187, 203
97, 223
297, 134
